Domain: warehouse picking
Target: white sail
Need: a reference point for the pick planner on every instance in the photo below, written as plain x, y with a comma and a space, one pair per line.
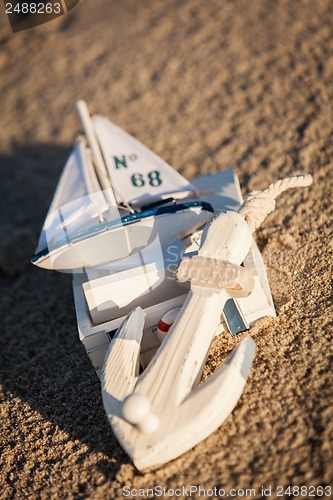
138, 176
90, 222
78, 201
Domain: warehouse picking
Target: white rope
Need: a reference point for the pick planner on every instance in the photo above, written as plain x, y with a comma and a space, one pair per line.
258, 204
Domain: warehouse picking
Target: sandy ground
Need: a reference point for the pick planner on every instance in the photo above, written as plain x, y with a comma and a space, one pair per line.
206, 85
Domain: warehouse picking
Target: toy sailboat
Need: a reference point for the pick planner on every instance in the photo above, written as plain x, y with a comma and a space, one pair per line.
123, 222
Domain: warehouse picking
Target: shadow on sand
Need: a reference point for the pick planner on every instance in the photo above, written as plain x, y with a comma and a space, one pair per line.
41, 359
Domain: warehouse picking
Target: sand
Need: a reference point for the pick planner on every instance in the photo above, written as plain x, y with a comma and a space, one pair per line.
206, 85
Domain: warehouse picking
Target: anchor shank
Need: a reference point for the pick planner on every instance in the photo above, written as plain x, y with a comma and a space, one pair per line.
171, 374
169, 378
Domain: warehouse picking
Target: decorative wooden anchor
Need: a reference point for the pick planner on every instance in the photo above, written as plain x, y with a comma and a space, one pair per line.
165, 411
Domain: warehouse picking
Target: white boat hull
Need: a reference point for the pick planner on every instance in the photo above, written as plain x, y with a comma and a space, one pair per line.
106, 242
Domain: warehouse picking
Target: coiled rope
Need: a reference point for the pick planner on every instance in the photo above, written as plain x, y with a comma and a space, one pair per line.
258, 204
